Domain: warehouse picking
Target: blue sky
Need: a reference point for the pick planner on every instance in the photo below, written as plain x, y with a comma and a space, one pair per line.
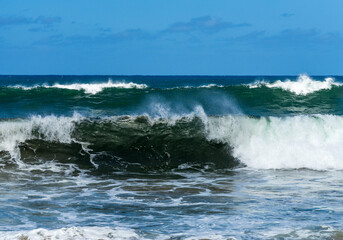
211, 37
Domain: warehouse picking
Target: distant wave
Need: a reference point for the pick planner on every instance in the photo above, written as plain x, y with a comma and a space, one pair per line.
302, 86
91, 88
211, 85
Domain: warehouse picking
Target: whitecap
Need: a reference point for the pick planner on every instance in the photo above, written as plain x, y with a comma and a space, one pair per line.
302, 86
90, 88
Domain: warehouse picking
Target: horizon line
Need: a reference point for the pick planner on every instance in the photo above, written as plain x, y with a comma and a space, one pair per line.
176, 75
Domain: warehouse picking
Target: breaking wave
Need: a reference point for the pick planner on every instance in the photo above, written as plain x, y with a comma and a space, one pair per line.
302, 86
90, 88
146, 143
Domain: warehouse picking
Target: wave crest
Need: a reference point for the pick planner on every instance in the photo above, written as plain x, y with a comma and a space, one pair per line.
302, 86
90, 88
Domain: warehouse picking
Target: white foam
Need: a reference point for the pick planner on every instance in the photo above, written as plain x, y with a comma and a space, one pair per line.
164, 112
313, 142
75, 233
91, 88
302, 86
213, 237
317, 232
211, 85
97, 233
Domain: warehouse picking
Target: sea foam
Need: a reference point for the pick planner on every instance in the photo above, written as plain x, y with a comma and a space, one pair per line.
211, 85
75, 233
302, 86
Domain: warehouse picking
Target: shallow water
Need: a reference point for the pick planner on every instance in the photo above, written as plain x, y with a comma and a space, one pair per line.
242, 203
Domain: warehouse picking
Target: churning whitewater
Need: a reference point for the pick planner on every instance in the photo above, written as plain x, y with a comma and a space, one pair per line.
170, 157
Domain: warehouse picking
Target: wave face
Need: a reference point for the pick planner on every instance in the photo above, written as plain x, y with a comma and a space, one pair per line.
131, 143
143, 143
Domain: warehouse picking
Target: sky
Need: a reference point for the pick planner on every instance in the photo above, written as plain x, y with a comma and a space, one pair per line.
175, 37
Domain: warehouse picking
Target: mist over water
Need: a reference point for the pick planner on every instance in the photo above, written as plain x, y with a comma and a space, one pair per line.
170, 157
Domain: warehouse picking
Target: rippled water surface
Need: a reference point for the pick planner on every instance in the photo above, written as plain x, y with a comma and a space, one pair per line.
241, 203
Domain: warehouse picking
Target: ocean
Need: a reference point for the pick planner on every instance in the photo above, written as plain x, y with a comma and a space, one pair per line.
171, 157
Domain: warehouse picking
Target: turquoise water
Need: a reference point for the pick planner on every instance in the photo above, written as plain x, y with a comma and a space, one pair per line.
171, 157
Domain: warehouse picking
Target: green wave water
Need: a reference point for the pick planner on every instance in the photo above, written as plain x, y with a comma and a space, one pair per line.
250, 96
